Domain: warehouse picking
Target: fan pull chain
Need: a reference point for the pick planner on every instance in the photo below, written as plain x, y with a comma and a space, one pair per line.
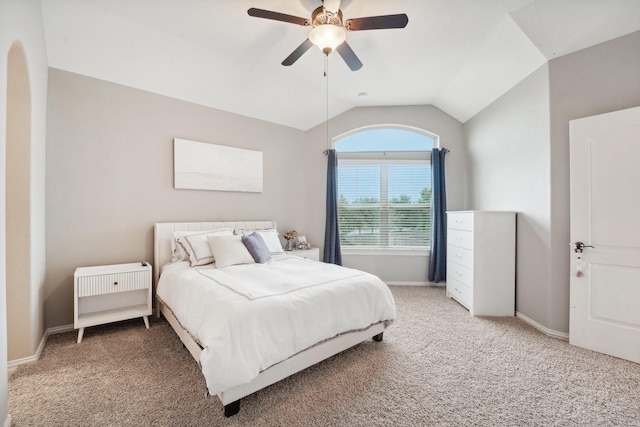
326, 65
326, 76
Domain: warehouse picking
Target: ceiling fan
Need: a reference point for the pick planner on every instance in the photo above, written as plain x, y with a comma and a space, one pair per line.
328, 31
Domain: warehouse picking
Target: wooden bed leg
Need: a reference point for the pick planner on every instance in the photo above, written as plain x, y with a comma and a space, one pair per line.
232, 408
378, 338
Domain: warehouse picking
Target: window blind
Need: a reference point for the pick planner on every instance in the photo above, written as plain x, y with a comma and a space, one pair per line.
384, 203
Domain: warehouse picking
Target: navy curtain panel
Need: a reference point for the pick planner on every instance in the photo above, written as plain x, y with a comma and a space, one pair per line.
438, 253
332, 253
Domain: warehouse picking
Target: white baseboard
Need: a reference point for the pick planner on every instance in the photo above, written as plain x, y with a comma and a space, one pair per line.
7, 421
543, 329
12, 365
59, 329
403, 283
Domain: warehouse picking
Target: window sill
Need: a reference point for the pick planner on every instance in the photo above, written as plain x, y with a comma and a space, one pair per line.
422, 252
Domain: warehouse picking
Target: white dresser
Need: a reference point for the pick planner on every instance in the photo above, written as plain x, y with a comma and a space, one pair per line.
481, 262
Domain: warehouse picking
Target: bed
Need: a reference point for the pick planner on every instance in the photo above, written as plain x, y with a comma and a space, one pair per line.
249, 325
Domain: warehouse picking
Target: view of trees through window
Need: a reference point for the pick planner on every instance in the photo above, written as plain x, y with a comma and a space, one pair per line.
384, 201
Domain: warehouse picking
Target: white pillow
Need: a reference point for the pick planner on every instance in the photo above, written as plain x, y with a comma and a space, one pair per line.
270, 237
229, 250
272, 240
197, 245
178, 251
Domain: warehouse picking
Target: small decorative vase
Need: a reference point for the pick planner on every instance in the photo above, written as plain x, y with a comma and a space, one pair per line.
289, 246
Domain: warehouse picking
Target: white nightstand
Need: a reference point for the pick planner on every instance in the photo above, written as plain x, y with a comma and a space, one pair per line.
312, 254
109, 293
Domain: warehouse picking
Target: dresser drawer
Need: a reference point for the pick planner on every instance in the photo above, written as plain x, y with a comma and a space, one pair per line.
111, 283
461, 274
459, 291
461, 238
460, 221
460, 256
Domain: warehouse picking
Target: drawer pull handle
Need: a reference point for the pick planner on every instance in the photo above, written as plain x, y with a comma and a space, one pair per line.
458, 238
458, 273
459, 256
458, 221
115, 283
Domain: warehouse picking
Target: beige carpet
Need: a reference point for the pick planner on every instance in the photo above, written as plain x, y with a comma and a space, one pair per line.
436, 366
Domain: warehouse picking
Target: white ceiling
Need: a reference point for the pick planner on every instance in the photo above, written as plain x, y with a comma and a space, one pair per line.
459, 55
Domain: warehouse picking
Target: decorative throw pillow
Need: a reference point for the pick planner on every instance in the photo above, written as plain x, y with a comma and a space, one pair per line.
257, 247
229, 250
270, 237
177, 249
197, 246
272, 240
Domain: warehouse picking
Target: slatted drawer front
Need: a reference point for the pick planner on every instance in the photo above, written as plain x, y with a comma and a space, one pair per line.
460, 220
110, 283
460, 256
461, 238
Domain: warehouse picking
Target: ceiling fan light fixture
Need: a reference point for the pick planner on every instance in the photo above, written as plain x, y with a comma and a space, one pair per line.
329, 30
327, 37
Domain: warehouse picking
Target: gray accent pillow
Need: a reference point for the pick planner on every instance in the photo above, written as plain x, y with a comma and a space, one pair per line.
257, 247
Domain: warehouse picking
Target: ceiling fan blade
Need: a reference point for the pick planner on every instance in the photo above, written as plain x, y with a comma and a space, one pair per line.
349, 56
332, 6
277, 16
296, 54
377, 22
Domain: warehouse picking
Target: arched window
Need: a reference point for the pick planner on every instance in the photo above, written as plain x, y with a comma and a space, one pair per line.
384, 187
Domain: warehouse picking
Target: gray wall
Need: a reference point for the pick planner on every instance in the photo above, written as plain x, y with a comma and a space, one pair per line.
522, 140
18, 207
509, 170
110, 175
597, 80
21, 24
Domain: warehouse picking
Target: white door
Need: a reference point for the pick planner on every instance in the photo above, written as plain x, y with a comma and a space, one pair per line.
605, 214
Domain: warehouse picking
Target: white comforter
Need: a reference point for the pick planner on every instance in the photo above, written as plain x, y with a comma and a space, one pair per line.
252, 316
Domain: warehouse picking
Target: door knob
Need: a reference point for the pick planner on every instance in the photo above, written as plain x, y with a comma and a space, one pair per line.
579, 246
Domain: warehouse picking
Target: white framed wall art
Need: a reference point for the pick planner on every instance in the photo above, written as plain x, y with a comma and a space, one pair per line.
203, 166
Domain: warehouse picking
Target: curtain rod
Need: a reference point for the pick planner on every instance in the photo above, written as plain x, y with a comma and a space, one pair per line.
325, 152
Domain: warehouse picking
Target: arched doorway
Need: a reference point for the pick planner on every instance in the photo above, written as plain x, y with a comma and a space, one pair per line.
18, 206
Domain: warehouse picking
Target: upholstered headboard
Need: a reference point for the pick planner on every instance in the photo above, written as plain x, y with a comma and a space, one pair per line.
163, 233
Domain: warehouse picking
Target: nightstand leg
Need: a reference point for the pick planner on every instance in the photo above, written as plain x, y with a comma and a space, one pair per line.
146, 321
80, 334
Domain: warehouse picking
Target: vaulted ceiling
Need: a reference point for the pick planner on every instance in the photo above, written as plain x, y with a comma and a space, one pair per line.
459, 55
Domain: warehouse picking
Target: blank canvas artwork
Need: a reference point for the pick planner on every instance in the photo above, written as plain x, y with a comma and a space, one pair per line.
202, 166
